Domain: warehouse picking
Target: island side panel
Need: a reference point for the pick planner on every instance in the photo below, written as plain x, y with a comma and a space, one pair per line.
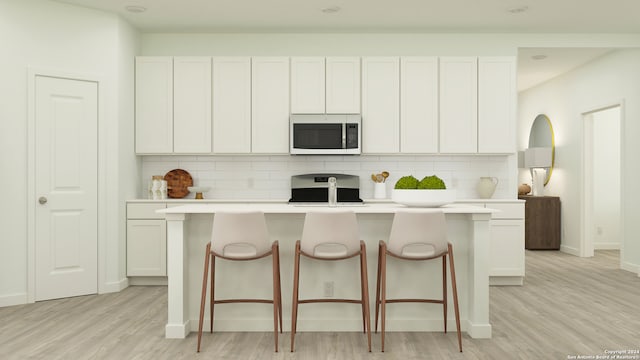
178, 326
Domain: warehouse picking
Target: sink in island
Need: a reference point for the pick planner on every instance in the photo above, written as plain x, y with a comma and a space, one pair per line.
189, 230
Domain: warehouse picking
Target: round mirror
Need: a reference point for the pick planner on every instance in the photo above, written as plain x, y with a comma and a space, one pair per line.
541, 135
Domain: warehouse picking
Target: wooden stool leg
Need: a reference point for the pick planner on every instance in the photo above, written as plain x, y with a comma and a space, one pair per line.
383, 293
294, 303
455, 295
213, 298
444, 290
365, 290
378, 288
362, 295
279, 288
203, 297
275, 270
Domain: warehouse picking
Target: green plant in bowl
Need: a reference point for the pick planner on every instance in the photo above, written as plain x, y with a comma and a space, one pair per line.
431, 182
407, 182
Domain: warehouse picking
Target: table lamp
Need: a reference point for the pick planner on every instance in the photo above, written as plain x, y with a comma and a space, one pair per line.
538, 160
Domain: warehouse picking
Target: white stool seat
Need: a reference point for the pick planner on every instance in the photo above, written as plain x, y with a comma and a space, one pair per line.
331, 236
241, 236
417, 235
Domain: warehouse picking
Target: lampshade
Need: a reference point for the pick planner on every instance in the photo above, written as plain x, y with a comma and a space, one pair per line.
537, 157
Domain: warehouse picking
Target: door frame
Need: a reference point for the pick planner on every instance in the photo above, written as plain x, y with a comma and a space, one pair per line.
32, 73
586, 231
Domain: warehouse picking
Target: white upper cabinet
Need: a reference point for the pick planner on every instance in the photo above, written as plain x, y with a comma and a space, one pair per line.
231, 105
307, 85
458, 105
496, 105
192, 105
380, 105
419, 105
343, 85
270, 105
154, 105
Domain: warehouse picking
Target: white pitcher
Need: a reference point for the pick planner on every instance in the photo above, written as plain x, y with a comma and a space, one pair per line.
486, 187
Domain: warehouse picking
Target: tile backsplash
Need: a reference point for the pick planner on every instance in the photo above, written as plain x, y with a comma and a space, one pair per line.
269, 176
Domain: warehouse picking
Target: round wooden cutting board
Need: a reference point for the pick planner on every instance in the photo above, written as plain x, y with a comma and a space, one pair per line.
178, 182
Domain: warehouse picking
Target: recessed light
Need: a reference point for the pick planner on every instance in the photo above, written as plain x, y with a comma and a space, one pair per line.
518, 9
135, 9
331, 10
539, 57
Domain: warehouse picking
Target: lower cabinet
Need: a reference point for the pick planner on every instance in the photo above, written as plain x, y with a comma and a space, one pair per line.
146, 240
506, 245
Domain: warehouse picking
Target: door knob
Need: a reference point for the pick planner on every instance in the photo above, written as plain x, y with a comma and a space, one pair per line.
42, 200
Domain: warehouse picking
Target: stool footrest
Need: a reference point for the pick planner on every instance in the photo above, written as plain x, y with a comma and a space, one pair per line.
432, 301
231, 301
309, 301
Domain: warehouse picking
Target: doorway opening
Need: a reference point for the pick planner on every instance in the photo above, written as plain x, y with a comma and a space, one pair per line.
602, 186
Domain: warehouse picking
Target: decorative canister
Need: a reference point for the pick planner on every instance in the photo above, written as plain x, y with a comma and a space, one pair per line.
379, 190
486, 187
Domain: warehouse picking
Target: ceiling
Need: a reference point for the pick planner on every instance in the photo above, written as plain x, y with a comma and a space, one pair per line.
451, 16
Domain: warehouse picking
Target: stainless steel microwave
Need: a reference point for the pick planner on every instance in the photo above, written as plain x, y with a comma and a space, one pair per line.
325, 134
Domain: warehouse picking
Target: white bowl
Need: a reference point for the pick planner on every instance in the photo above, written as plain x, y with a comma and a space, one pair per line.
423, 197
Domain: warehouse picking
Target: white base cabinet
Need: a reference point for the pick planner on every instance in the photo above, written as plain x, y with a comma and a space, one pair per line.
506, 251
146, 240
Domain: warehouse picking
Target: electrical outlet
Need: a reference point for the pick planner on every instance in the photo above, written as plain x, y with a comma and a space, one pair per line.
599, 230
328, 289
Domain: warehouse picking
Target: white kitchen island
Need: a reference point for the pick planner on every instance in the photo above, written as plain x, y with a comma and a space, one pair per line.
189, 229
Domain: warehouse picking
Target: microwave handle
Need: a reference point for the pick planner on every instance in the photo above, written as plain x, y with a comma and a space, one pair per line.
344, 136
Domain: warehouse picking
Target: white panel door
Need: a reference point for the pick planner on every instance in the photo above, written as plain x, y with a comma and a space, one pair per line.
419, 105
496, 105
154, 105
231, 105
270, 105
307, 85
192, 105
343, 85
66, 185
380, 105
458, 105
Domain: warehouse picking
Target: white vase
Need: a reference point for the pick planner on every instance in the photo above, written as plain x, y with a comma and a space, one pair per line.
379, 190
486, 187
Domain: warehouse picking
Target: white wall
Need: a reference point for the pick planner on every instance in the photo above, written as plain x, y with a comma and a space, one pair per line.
604, 82
49, 35
606, 179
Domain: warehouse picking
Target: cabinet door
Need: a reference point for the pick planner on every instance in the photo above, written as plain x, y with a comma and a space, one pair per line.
507, 248
380, 105
231, 104
496, 105
154, 105
419, 105
270, 105
458, 105
343, 85
146, 248
191, 105
307, 85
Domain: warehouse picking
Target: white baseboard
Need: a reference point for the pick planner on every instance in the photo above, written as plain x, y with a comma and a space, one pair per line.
634, 268
606, 246
148, 281
570, 250
115, 286
320, 325
506, 280
13, 299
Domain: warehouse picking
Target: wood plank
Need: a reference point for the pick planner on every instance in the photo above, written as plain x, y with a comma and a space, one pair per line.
567, 306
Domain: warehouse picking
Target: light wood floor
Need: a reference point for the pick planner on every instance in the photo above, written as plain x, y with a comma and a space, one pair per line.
568, 306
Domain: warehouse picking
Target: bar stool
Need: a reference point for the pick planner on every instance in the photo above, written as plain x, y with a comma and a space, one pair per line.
417, 235
331, 236
241, 236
